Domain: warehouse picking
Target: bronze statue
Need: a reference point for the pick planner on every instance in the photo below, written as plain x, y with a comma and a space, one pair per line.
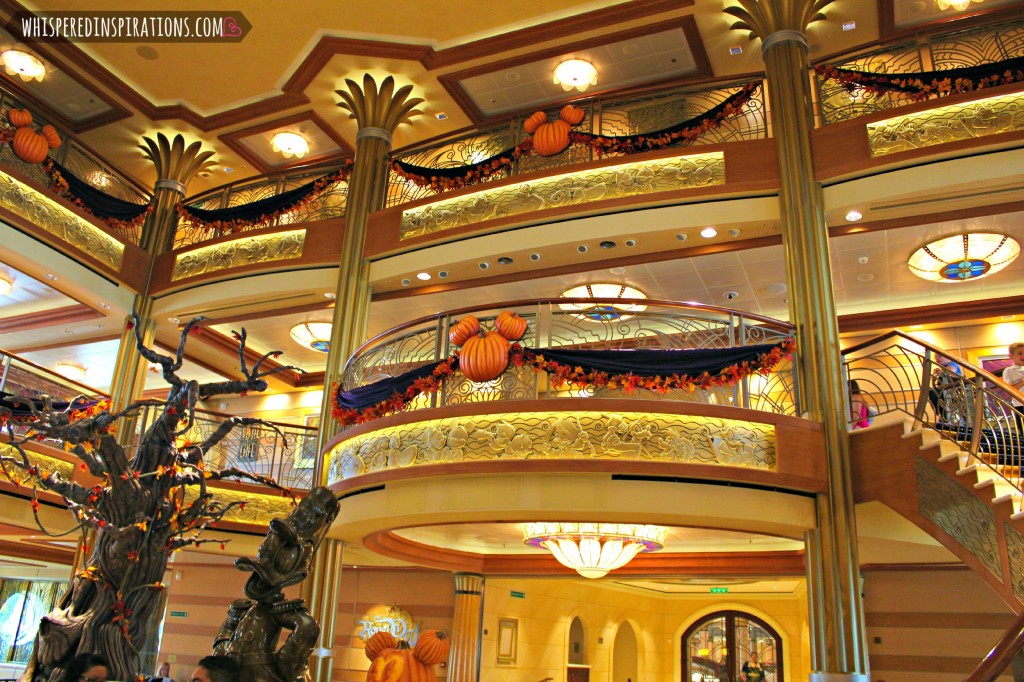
251, 630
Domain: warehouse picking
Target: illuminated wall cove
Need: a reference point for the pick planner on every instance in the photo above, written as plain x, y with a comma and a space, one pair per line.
549, 435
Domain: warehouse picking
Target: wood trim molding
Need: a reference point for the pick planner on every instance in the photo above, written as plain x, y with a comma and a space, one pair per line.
932, 314
234, 141
48, 318
36, 552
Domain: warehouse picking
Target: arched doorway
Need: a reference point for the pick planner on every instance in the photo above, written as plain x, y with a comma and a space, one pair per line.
715, 648
625, 655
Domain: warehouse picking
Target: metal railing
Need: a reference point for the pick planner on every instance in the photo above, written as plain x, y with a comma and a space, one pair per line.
897, 373
624, 116
330, 203
660, 325
284, 452
953, 50
72, 155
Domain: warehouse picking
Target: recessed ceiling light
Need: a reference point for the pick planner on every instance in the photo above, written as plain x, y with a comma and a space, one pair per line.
607, 244
849, 25
483, 265
52, 277
505, 260
735, 50
228, 169
535, 256
681, 237
173, 320
329, 294
735, 232
583, 248
630, 242
406, 282
104, 306
863, 260
853, 216
69, 332
442, 274
865, 277
424, 276
709, 232
441, 116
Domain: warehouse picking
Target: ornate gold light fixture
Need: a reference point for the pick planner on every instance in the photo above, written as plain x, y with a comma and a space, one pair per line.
70, 370
964, 257
593, 549
25, 65
575, 73
955, 5
313, 335
604, 311
290, 144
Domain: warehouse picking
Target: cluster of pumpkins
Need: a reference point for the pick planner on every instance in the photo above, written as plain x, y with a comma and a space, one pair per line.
550, 138
484, 354
29, 145
393, 660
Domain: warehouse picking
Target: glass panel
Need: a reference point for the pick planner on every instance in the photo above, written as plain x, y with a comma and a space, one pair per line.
751, 640
38, 601
706, 653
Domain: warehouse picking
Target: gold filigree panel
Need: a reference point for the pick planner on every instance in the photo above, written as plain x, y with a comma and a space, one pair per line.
267, 248
576, 188
44, 462
634, 436
48, 215
1015, 551
259, 508
940, 125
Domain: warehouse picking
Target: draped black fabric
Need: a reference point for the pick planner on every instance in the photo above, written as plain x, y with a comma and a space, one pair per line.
641, 363
455, 172
256, 211
906, 82
100, 204
379, 391
19, 409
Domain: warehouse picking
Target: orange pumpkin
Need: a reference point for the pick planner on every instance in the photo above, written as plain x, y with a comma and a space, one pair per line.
510, 325
30, 146
399, 665
463, 329
551, 138
19, 117
571, 114
484, 356
52, 138
432, 647
535, 121
380, 641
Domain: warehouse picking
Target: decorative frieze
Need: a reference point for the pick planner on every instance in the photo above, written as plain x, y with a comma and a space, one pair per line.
247, 250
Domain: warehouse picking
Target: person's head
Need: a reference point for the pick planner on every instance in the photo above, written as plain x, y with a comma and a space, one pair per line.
854, 387
164, 670
216, 669
753, 657
1017, 353
87, 668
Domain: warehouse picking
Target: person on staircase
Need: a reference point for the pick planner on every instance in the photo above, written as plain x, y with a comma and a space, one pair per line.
861, 414
947, 395
1014, 376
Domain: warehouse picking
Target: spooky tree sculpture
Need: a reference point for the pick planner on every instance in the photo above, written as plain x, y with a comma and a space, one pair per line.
143, 508
253, 627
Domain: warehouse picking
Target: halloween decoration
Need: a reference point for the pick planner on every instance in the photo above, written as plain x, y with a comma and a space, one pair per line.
400, 662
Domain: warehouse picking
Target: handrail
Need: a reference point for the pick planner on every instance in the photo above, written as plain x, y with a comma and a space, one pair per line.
1010, 645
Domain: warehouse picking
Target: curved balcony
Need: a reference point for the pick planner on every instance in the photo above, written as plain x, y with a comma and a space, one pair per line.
527, 420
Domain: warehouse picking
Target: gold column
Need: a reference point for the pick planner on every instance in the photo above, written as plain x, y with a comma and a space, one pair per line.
821, 385
464, 659
175, 165
324, 595
377, 111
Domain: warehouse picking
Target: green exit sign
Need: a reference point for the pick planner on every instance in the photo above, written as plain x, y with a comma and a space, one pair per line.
719, 590
517, 595
178, 614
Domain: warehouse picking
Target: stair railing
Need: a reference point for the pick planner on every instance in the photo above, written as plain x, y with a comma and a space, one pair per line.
898, 373
1011, 644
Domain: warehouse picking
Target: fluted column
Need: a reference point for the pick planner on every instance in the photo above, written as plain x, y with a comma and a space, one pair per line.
464, 659
781, 24
175, 165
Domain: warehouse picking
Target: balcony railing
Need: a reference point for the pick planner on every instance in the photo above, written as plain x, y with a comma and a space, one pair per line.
284, 452
76, 158
661, 325
631, 116
897, 373
941, 52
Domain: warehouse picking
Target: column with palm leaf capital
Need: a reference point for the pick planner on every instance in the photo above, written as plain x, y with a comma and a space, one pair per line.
838, 649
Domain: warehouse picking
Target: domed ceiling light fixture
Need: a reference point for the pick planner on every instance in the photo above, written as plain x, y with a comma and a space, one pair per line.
290, 144
312, 335
70, 370
604, 311
25, 65
963, 257
955, 5
593, 549
575, 73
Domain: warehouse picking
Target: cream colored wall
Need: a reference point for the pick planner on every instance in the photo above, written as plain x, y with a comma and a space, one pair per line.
930, 625
969, 342
550, 605
291, 408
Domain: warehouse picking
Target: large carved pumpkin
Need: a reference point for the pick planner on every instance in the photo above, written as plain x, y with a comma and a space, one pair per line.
30, 146
484, 356
377, 643
463, 329
510, 325
535, 121
19, 117
551, 138
399, 665
51, 135
432, 647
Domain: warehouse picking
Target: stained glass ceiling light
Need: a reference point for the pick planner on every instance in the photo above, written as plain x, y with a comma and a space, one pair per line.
964, 257
25, 65
313, 335
575, 73
593, 549
604, 311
